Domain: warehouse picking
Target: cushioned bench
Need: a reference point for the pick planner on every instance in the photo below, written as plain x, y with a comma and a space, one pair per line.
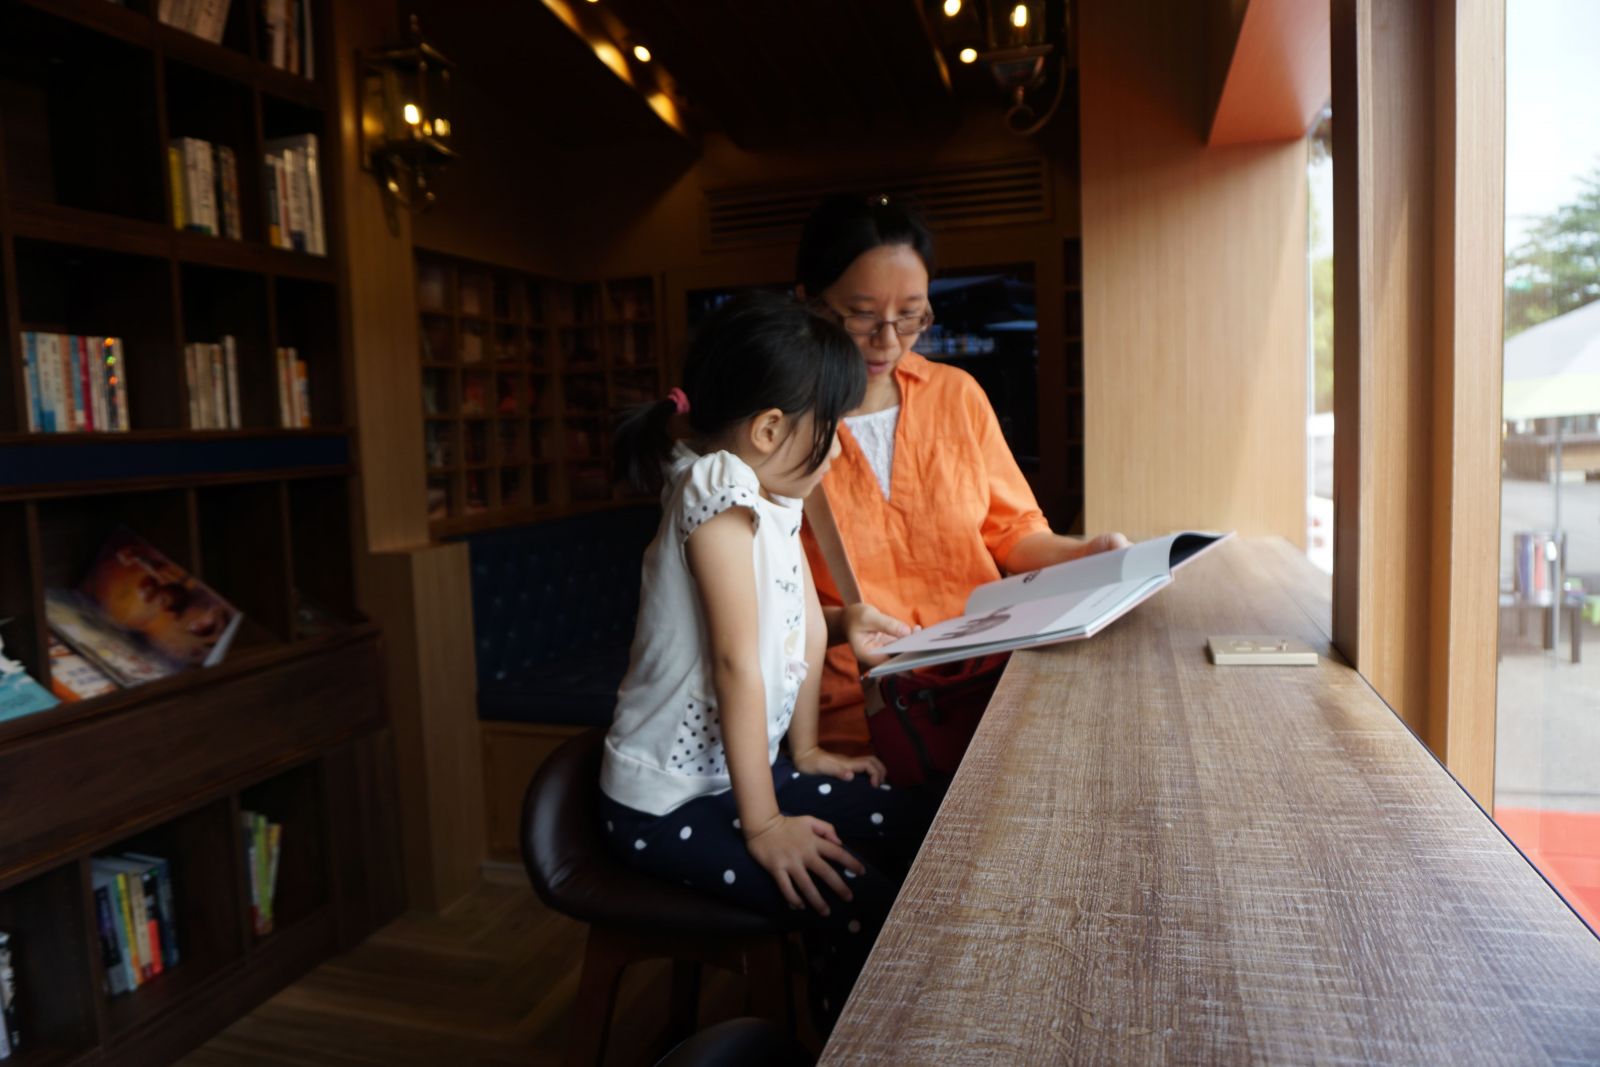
553, 606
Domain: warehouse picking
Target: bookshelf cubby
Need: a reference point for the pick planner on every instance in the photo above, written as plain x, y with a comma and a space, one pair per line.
292, 722
523, 379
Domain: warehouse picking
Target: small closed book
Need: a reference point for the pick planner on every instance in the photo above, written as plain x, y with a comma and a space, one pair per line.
1260, 650
1067, 602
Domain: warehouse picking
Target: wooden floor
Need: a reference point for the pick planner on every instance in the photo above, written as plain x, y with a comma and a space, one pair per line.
490, 982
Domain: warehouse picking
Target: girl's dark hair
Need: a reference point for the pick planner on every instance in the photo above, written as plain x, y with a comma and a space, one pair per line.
758, 351
843, 227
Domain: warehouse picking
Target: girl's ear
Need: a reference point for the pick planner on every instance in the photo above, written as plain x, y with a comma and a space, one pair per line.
767, 430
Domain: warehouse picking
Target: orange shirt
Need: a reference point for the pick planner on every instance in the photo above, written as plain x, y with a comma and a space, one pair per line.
957, 505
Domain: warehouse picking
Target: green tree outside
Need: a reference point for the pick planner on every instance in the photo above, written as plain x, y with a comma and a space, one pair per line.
1556, 269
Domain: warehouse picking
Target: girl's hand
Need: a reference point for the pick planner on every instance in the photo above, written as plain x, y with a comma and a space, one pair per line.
821, 761
795, 848
867, 629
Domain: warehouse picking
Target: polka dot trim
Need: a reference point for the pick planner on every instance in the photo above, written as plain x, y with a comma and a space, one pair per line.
727, 877
696, 515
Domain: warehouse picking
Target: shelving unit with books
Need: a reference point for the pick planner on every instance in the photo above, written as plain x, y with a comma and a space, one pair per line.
523, 379
250, 504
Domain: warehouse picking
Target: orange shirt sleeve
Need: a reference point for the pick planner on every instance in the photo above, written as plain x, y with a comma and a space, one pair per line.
1013, 512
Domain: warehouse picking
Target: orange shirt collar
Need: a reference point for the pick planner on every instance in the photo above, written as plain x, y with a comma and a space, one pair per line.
912, 365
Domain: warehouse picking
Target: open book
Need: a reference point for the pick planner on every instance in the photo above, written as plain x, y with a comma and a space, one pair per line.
1061, 603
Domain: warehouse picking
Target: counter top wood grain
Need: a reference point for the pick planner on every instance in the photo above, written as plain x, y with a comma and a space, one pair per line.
1146, 859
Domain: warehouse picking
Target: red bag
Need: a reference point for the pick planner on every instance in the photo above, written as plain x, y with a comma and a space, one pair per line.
928, 717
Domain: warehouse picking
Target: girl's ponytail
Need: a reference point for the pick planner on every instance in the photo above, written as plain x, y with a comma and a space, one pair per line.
642, 444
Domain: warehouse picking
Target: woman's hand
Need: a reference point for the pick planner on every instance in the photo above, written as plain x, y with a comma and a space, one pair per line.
1046, 549
794, 849
1106, 542
867, 630
844, 768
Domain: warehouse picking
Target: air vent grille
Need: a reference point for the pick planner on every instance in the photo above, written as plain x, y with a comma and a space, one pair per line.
979, 194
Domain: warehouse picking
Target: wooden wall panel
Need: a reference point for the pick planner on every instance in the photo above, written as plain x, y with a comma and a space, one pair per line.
1194, 293
425, 605
1418, 215
419, 595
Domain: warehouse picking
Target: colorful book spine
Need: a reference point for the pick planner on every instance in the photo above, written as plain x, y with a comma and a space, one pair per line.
302, 395
230, 356
30, 359
110, 952
118, 371
175, 176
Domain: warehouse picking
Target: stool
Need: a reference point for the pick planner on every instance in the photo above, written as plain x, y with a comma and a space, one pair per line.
738, 1043
633, 916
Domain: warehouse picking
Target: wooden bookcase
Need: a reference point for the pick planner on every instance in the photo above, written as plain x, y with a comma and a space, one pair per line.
523, 380
292, 723
1072, 306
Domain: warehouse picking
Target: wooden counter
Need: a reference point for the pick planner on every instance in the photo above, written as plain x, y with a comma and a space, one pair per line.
1147, 859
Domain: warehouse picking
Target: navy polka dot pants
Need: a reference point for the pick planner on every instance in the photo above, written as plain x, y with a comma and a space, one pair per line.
701, 845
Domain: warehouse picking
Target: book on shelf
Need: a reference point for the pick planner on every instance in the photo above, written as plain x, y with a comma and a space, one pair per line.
136, 919
19, 694
205, 188
203, 18
74, 383
139, 617
263, 840
294, 390
291, 44
211, 372
10, 1033
294, 194
1066, 602
73, 678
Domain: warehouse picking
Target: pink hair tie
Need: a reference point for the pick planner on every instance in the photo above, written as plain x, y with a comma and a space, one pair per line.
680, 400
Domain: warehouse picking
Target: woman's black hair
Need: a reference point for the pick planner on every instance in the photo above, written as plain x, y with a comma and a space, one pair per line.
758, 351
843, 227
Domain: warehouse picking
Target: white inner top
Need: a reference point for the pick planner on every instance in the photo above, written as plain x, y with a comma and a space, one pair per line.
875, 434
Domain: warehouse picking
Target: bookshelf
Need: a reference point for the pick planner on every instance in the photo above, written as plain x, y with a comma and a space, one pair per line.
1072, 306
292, 723
523, 380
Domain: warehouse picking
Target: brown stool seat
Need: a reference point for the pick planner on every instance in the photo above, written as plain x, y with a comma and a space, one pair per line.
632, 916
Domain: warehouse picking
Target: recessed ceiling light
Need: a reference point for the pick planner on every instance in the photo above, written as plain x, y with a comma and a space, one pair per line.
641, 53
968, 55
952, 8
1019, 16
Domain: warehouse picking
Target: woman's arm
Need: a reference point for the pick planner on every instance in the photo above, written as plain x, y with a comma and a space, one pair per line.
720, 554
1046, 548
808, 756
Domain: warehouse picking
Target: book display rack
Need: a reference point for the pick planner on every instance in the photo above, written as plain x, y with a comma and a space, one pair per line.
291, 724
523, 379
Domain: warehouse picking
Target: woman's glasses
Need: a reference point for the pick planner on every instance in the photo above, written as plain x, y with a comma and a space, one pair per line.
865, 325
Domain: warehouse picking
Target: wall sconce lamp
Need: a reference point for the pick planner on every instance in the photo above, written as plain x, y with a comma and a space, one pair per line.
406, 124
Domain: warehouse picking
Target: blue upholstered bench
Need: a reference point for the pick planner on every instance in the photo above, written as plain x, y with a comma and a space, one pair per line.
553, 606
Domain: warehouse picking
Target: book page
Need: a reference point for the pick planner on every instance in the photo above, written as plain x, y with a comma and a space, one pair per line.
1024, 621
1104, 568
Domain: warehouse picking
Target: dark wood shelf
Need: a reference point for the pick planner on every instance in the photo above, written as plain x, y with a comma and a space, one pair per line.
294, 716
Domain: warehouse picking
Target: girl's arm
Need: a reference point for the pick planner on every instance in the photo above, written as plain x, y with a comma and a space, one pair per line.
720, 554
808, 756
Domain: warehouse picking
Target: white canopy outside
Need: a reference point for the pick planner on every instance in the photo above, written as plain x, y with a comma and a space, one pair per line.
1553, 369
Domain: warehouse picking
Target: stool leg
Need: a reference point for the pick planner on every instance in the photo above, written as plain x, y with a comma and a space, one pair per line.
684, 1017
604, 959
769, 993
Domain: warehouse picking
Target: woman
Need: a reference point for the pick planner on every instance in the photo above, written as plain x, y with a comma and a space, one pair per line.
927, 497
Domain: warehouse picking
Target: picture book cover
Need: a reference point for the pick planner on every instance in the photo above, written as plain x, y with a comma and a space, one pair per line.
139, 617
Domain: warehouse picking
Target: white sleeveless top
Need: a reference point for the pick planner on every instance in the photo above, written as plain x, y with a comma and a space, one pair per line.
664, 747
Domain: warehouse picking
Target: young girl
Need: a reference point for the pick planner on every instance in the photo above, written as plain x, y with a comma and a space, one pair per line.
727, 654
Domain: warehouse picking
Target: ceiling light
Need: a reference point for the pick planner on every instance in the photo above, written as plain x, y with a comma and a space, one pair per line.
968, 55
952, 8
641, 53
1019, 16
